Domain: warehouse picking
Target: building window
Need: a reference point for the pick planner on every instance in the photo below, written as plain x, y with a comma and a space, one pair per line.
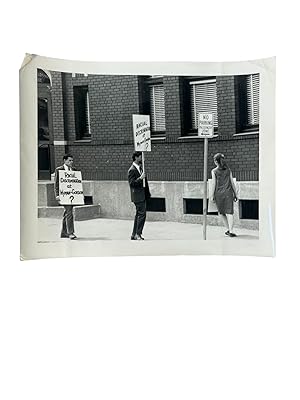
248, 102
43, 122
193, 206
252, 82
156, 204
203, 99
88, 200
248, 209
157, 108
82, 112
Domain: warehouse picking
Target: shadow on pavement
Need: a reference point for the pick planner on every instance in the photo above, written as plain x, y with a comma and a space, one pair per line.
85, 239
247, 237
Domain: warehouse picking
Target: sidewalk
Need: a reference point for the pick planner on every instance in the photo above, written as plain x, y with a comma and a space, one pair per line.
116, 229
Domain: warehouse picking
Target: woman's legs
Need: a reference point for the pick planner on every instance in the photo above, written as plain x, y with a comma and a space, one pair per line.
229, 218
225, 221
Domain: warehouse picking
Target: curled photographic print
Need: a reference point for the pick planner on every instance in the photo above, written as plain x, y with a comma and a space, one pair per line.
147, 158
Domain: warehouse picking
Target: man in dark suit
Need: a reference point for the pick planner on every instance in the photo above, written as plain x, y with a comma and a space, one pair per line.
67, 230
139, 194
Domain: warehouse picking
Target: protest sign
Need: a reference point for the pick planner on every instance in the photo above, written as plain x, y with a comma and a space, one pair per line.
70, 188
141, 132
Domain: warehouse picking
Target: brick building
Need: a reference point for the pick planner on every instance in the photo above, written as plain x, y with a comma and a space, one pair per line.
90, 116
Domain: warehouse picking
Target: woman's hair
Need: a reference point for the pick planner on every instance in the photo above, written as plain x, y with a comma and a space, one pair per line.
220, 159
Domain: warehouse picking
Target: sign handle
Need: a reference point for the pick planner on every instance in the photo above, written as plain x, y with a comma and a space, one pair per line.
143, 166
205, 188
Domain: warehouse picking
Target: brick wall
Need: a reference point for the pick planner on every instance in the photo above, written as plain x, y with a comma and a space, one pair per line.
113, 100
226, 106
57, 106
172, 108
57, 102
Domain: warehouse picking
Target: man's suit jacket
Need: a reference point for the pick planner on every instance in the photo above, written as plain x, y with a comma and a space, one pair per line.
137, 191
56, 178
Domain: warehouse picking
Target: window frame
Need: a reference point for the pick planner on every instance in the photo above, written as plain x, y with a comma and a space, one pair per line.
189, 130
80, 135
245, 126
155, 80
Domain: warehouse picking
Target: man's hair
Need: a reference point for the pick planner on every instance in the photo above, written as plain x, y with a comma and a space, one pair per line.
136, 154
66, 156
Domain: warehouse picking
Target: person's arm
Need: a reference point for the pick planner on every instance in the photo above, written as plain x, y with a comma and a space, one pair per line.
233, 187
133, 180
213, 186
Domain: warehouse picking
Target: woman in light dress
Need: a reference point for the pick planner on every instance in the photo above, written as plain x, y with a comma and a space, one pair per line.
224, 192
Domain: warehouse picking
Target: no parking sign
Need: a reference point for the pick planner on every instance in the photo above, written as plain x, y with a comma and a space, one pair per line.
205, 131
206, 125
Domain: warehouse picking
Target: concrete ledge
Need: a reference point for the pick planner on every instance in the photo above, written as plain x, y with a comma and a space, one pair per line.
114, 197
81, 213
46, 196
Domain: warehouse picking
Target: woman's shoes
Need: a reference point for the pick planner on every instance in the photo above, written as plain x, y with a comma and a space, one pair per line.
230, 234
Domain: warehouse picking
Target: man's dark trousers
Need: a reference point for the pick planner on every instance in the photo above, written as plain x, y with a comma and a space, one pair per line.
68, 221
140, 218
139, 194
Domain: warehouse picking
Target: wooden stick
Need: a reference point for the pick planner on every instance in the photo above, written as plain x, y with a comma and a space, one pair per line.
143, 166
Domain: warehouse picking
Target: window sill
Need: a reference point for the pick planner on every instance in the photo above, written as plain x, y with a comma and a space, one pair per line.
83, 141
246, 133
158, 138
195, 137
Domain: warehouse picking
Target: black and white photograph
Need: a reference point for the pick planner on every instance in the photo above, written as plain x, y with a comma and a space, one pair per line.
149, 162
148, 159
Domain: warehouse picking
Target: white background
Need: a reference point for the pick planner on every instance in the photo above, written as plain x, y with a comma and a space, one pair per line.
152, 328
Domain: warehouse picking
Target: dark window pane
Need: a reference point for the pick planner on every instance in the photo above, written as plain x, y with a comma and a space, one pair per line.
81, 108
156, 204
248, 209
88, 200
193, 206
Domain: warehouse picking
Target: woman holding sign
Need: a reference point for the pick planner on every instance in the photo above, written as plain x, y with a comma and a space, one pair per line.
224, 192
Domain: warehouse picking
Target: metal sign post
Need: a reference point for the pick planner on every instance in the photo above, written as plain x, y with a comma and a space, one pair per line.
205, 130
205, 188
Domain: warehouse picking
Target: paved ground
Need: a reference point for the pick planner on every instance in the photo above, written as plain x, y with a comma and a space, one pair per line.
115, 229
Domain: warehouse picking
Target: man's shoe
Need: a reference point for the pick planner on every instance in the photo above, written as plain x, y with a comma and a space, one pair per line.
227, 233
63, 236
133, 237
138, 237
231, 234
72, 236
